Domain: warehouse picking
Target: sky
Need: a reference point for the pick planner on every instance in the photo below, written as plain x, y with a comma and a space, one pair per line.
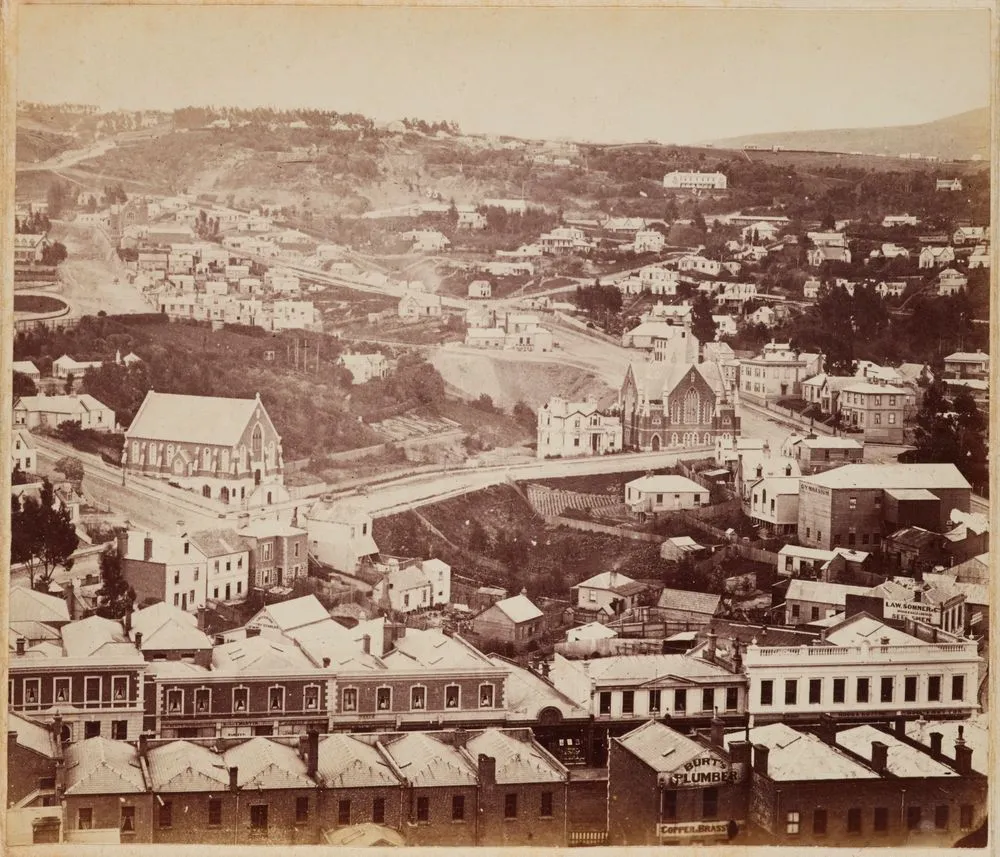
673, 75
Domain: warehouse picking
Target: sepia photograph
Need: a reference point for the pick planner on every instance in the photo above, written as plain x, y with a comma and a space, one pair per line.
478, 426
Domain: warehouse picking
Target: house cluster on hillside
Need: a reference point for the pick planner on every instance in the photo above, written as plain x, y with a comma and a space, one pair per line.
504, 329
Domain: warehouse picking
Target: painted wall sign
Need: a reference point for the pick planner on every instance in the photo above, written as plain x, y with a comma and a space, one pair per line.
703, 771
691, 829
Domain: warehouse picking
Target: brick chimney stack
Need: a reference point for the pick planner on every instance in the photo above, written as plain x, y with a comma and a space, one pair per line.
936, 738
487, 770
312, 752
880, 757
234, 779
760, 754
963, 754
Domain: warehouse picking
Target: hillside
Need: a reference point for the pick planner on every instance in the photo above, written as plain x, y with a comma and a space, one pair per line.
957, 137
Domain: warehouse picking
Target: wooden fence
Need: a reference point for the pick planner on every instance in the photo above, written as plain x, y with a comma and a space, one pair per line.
593, 527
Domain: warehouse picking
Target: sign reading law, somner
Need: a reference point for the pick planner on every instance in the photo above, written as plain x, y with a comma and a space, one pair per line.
704, 771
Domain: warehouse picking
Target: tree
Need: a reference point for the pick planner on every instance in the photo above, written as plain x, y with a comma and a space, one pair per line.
57, 197
702, 323
952, 431
42, 535
72, 470
524, 416
23, 386
54, 254
68, 383
115, 597
828, 224
18, 476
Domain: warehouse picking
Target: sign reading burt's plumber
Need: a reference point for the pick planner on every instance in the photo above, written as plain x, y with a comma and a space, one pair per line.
704, 771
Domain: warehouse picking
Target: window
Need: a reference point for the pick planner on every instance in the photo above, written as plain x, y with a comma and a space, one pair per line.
792, 823
418, 698
669, 805
196, 573
815, 691
276, 699
604, 702
767, 692
215, 812
202, 700
863, 687
510, 805
910, 688
795, 611
880, 819
941, 817
877, 419
819, 822
84, 818
934, 688
680, 700
311, 698
92, 729
654, 700
383, 699
886, 689
852, 503
177, 600
119, 688
241, 699
854, 820
127, 823
423, 809
458, 807
191, 597
119, 730
343, 812
913, 818
958, 687
710, 803
258, 817
61, 690
814, 614
732, 698
965, 816
378, 810
32, 691
451, 696
628, 701
177, 577
791, 691
350, 697
166, 815
708, 699
545, 808
175, 701
92, 689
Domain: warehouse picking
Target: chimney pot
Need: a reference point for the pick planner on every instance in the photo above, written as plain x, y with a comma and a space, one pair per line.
326, 662
20, 645
138, 640
366, 644
147, 548
234, 779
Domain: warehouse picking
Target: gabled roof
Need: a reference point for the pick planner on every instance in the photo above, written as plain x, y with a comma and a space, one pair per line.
256, 655
796, 755
265, 764
193, 419
974, 731
31, 735
902, 760
27, 605
86, 637
345, 762
821, 592
666, 483
660, 747
168, 628
99, 766
220, 542
288, 615
656, 380
859, 627
890, 476
518, 608
518, 761
78, 403
694, 602
427, 761
431, 648
608, 580
182, 766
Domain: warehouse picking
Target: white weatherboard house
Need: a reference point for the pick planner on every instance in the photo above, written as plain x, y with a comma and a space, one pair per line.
665, 493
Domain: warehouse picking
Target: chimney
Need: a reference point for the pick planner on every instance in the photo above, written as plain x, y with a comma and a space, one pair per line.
900, 726
138, 640
234, 779
312, 752
718, 731
963, 754
788, 470
143, 745
253, 632
935, 743
760, 754
57, 728
739, 753
460, 737
20, 645
737, 656
127, 619
366, 644
710, 647
147, 548
826, 730
326, 663
487, 770
880, 756
122, 544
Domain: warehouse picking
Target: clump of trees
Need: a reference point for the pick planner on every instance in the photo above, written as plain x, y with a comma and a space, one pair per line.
43, 537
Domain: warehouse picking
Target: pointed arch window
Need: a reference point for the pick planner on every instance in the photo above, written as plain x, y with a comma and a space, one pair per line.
256, 442
692, 406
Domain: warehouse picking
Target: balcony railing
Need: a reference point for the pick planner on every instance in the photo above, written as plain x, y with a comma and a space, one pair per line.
929, 651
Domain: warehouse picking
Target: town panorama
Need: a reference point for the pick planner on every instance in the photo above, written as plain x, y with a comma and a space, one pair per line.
387, 484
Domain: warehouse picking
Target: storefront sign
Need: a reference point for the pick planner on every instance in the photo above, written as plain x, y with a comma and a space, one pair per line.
704, 771
692, 829
912, 610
